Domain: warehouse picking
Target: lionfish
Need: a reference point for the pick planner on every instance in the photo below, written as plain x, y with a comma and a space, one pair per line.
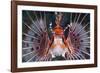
49, 36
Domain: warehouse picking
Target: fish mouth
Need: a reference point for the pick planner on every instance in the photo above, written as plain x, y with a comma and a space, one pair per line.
56, 58
58, 53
